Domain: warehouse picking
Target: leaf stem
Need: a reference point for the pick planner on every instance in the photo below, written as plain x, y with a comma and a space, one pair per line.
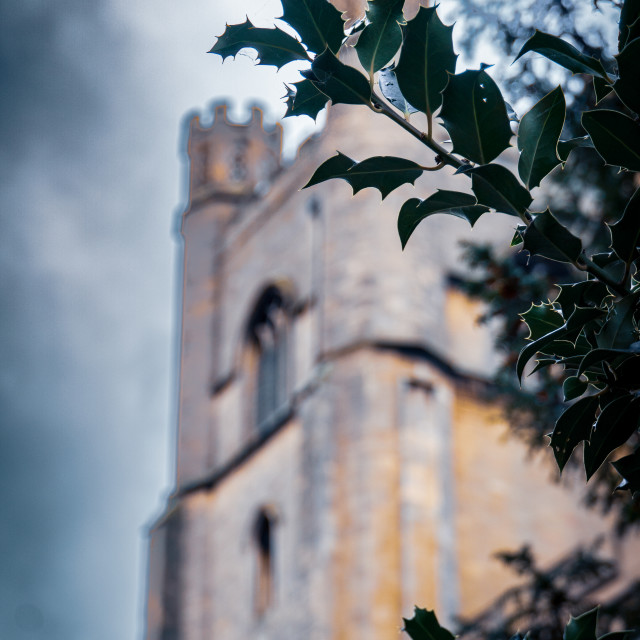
379, 106
585, 264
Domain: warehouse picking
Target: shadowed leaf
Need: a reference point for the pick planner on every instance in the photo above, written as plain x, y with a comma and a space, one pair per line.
475, 116
628, 85
426, 60
318, 23
425, 626
619, 331
615, 136
461, 205
545, 236
601, 88
596, 356
629, 468
343, 84
565, 147
629, 27
274, 46
573, 387
305, 100
583, 627
384, 173
382, 37
615, 425
532, 348
572, 427
496, 187
538, 137
625, 233
541, 319
562, 53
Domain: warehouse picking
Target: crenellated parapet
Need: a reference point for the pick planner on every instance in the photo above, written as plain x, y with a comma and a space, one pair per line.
232, 159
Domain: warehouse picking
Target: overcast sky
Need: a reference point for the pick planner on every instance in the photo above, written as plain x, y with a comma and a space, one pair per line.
92, 101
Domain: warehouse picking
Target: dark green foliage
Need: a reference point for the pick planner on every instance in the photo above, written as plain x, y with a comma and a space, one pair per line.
382, 36
615, 136
475, 116
454, 203
426, 60
425, 626
343, 84
496, 187
305, 100
318, 23
573, 427
628, 84
629, 22
385, 173
562, 53
274, 46
546, 237
538, 137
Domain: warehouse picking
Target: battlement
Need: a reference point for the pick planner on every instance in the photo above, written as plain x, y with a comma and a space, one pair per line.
232, 159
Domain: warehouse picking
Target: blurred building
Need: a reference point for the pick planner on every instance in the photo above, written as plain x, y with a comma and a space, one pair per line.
335, 461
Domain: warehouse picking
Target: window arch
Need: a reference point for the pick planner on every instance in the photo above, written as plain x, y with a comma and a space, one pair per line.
263, 534
268, 336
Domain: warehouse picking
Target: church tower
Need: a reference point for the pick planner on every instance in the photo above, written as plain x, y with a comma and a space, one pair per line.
335, 462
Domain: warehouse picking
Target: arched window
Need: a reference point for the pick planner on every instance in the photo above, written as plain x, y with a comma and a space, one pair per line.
263, 542
268, 334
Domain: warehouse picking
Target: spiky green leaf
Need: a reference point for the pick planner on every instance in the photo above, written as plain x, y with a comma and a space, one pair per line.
461, 205
627, 87
305, 100
426, 60
538, 137
562, 53
318, 23
475, 115
565, 147
629, 28
384, 173
617, 422
615, 136
541, 319
601, 88
573, 387
496, 187
342, 83
620, 331
274, 46
629, 468
425, 626
534, 347
625, 233
545, 236
572, 427
595, 356
583, 627
382, 37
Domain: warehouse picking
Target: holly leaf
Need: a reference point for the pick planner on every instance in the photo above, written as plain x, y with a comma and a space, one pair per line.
425, 626
565, 147
601, 88
619, 331
274, 46
629, 22
541, 319
475, 116
538, 137
385, 173
583, 627
627, 87
572, 427
305, 100
562, 53
532, 348
573, 387
615, 425
318, 22
455, 203
629, 468
596, 356
546, 237
342, 83
625, 233
388, 82
426, 60
382, 37
496, 187
615, 136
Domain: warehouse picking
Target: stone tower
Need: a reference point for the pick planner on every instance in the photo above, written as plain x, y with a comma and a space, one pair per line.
335, 463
